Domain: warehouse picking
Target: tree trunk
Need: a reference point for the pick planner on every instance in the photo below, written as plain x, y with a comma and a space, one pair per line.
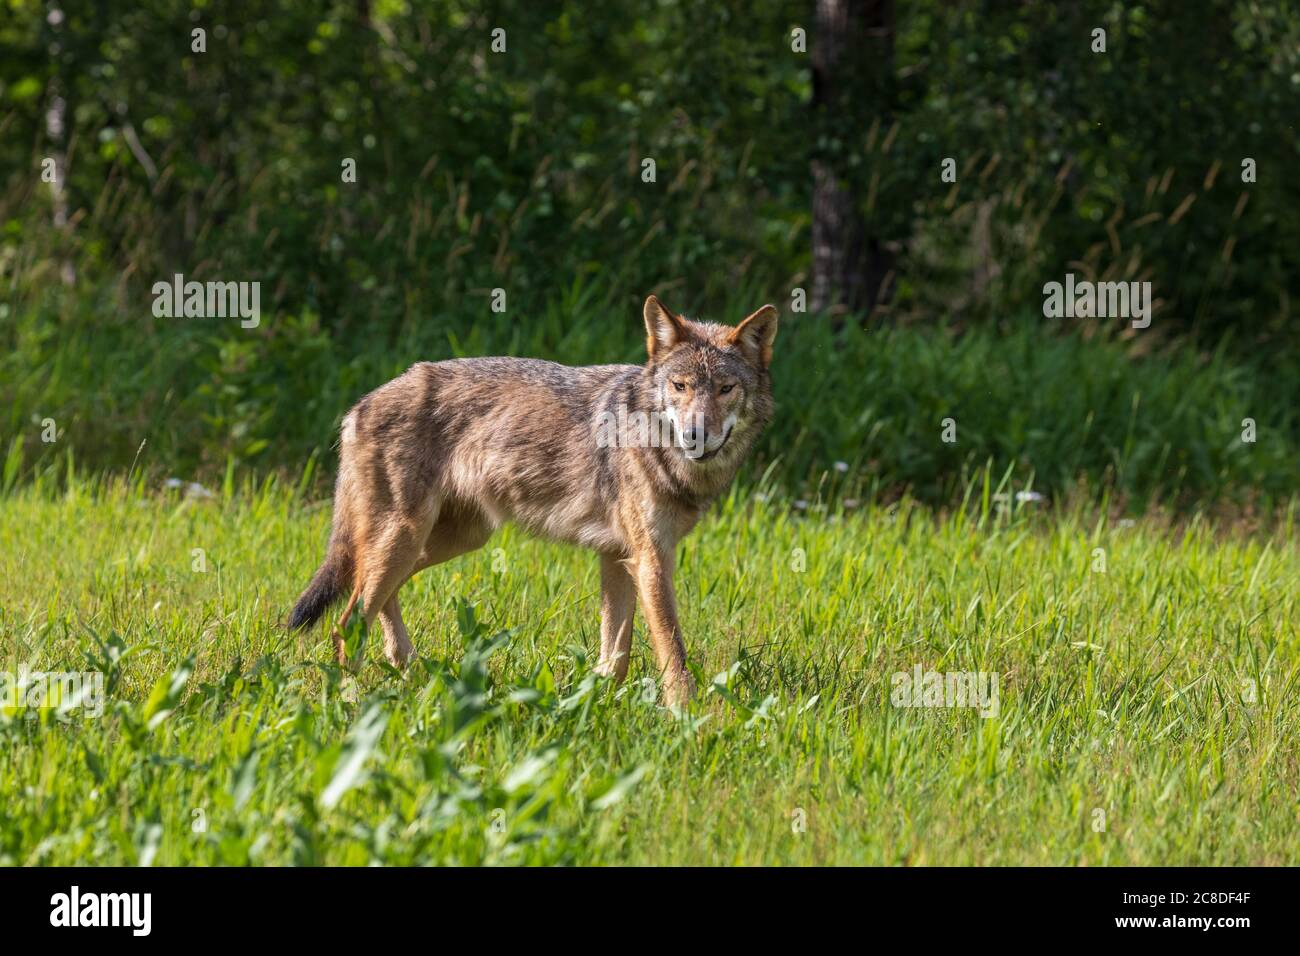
56, 134
852, 58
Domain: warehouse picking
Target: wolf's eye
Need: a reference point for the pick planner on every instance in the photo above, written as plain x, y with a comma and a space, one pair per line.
680, 386
726, 388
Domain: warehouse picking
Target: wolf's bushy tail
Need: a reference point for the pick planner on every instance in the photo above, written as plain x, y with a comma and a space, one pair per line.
330, 582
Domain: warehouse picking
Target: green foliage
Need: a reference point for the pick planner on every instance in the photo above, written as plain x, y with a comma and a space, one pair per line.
474, 169
522, 170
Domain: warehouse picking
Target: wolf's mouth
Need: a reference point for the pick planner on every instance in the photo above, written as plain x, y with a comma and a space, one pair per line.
711, 454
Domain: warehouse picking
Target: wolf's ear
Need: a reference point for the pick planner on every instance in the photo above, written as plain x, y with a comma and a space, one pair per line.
663, 329
754, 336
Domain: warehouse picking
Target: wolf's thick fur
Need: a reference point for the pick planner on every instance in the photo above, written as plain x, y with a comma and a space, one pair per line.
433, 461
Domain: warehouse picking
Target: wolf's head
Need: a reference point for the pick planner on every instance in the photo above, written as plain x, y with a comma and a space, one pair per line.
711, 382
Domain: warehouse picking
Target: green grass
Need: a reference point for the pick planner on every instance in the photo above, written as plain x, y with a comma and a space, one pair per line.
227, 740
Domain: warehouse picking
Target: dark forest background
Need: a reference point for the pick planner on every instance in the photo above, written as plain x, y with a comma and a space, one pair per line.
798, 150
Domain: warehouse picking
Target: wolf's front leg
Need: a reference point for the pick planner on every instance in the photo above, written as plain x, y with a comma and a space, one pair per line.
654, 582
617, 608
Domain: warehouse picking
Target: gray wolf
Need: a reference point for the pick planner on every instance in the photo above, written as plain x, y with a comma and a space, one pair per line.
431, 463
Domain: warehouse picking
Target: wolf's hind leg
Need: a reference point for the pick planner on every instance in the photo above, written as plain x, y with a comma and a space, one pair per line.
340, 650
387, 561
397, 643
401, 554
617, 609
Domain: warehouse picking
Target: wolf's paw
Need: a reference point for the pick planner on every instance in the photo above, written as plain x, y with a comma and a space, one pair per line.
679, 689
613, 667
398, 654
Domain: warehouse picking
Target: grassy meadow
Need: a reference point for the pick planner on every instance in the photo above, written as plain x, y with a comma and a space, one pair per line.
1147, 708
1096, 512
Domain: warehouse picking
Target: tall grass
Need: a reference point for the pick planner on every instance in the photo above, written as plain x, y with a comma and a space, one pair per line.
1054, 408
